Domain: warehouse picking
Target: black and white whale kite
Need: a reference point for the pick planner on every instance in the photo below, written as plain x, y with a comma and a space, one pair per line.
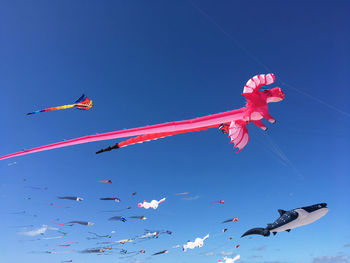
291, 219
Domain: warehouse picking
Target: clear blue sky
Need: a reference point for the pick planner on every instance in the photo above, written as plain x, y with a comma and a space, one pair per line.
148, 62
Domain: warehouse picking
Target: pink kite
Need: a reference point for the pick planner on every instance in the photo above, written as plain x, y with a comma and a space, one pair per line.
234, 122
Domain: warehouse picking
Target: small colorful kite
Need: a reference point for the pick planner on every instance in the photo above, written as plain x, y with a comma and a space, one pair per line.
255, 110
138, 217
105, 181
74, 198
185, 193
153, 204
118, 218
83, 103
219, 202
113, 198
84, 223
235, 219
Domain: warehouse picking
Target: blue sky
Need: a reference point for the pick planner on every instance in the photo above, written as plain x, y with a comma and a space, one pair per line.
148, 62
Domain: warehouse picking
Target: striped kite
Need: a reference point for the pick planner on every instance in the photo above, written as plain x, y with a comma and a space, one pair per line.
83, 103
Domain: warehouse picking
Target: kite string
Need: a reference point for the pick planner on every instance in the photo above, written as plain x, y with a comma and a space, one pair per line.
258, 61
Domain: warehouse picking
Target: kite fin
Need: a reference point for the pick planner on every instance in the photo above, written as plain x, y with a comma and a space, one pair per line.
82, 97
257, 231
281, 212
239, 134
109, 148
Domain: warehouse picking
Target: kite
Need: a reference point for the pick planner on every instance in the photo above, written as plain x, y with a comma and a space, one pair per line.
67, 244
231, 260
118, 218
237, 246
55, 237
64, 261
198, 242
224, 230
97, 250
138, 217
185, 193
74, 198
235, 219
291, 219
84, 223
83, 103
52, 204
105, 181
149, 234
124, 240
256, 109
219, 202
134, 193
113, 198
107, 236
61, 224
153, 204
160, 252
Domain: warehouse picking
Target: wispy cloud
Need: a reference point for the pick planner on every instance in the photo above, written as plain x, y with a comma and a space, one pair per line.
209, 254
226, 253
191, 198
261, 248
331, 259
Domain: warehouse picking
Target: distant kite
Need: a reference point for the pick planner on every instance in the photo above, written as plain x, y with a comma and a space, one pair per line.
185, 193
219, 202
105, 181
235, 122
153, 204
138, 217
83, 103
160, 252
118, 218
59, 206
74, 198
235, 219
113, 198
198, 242
84, 223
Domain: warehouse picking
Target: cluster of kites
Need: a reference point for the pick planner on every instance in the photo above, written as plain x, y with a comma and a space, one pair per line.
233, 123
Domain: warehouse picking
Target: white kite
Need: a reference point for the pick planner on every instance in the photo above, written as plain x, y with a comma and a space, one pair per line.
153, 204
231, 260
198, 242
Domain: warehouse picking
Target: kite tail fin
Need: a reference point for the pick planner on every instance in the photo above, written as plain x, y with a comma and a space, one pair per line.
81, 98
257, 231
109, 148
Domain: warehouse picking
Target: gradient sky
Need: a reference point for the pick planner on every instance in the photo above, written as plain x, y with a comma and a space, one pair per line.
148, 62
